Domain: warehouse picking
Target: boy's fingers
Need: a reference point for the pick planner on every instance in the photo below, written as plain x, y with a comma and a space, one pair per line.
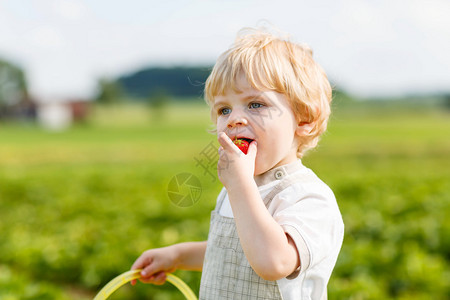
223, 140
252, 149
159, 278
141, 262
151, 270
227, 143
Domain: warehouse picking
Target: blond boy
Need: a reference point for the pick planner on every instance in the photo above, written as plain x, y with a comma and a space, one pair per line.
276, 230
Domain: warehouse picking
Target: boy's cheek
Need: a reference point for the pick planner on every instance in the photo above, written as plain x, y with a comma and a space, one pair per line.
220, 126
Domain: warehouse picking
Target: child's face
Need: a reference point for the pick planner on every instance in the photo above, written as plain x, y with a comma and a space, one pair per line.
264, 116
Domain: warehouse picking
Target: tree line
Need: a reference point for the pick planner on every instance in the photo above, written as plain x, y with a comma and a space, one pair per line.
154, 84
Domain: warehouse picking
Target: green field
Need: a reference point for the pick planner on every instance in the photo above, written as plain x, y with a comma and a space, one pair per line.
77, 207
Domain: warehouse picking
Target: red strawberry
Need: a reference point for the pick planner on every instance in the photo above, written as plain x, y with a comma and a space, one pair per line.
242, 144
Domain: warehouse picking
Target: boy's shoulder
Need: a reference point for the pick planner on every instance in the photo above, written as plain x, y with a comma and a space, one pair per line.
307, 181
307, 195
294, 173
294, 182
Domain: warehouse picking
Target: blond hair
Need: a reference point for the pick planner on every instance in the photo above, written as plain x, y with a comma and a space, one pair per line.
276, 64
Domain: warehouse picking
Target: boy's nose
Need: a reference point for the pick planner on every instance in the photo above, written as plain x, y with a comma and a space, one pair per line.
237, 120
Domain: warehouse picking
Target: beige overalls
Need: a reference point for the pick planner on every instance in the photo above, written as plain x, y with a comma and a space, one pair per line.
226, 271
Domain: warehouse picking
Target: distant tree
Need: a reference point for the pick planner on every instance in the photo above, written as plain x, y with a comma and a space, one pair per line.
158, 98
341, 98
109, 91
447, 101
176, 81
13, 87
158, 101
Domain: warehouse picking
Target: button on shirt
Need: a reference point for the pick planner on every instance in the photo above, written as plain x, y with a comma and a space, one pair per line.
308, 212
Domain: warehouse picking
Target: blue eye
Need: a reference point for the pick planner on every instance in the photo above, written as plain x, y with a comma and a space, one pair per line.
225, 111
255, 105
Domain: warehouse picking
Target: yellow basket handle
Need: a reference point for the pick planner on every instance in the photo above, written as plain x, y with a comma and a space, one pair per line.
123, 278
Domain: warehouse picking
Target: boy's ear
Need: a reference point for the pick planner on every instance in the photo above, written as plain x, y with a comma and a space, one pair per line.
304, 128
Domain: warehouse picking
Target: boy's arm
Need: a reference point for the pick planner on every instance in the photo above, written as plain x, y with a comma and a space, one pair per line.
270, 251
155, 263
191, 255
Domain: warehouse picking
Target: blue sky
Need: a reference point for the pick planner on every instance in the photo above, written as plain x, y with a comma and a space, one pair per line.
367, 47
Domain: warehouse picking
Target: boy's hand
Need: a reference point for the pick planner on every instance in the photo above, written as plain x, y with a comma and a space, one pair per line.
155, 263
235, 166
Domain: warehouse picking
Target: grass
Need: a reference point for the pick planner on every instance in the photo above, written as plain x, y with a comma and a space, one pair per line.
78, 206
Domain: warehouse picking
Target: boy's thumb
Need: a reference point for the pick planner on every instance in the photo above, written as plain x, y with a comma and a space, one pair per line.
252, 149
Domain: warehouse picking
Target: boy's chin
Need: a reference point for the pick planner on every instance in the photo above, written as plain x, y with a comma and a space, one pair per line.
259, 169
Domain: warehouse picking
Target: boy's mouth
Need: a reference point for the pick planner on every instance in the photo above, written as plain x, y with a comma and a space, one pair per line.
245, 139
248, 140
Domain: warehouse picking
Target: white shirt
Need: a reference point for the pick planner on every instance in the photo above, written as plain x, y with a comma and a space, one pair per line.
307, 210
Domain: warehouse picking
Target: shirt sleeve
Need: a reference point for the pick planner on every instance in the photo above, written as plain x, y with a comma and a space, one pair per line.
311, 217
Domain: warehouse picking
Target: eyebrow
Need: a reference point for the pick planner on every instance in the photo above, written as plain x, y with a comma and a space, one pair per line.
220, 103
254, 95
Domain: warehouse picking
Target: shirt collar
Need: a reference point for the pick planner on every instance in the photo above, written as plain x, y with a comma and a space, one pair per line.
278, 173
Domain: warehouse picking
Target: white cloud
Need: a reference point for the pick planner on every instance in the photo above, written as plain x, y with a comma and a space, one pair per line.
46, 36
432, 15
70, 9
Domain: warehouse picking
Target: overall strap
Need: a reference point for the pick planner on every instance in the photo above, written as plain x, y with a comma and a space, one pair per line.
284, 183
220, 200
